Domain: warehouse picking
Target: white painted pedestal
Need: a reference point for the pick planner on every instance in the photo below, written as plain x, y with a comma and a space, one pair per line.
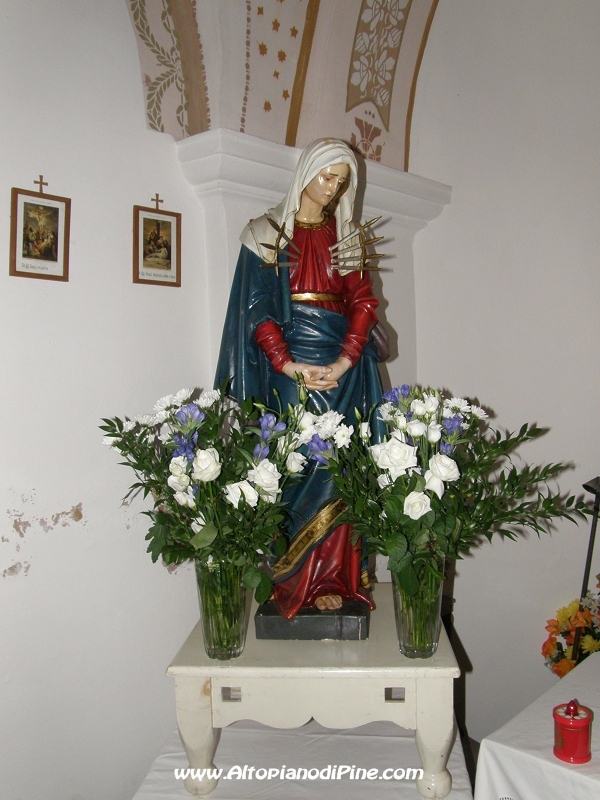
341, 684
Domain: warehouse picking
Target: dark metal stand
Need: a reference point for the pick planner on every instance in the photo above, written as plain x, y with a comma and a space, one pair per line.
351, 621
593, 487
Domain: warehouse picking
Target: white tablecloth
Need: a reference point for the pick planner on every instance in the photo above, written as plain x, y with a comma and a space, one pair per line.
517, 763
376, 745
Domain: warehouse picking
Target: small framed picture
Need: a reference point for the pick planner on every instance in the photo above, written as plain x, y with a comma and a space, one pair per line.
156, 246
39, 235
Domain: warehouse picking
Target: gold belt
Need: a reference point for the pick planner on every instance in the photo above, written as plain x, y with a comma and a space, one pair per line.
320, 297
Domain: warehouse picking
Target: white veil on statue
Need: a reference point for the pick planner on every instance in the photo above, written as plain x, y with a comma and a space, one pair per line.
317, 156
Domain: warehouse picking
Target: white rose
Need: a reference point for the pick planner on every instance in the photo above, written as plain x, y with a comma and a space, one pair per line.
418, 407
400, 421
431, 403
434, 484
434, 432
295, 462
206, 466
343, 435
178, 465
395, 456
266, 476
365, 431
387, 411
306, 421
185, 498
233, 492
416, 428
444, 467
416, 505
179, 483
178, 479
306, 426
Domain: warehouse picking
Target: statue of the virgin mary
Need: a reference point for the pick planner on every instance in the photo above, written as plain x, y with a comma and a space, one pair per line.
315, 319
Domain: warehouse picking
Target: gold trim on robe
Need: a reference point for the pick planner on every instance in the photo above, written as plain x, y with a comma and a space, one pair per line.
307, 537
317, 297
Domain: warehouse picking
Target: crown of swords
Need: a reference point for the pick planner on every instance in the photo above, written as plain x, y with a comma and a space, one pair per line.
349, 254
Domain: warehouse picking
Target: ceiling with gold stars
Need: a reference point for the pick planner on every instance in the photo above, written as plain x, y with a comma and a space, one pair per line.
287, 71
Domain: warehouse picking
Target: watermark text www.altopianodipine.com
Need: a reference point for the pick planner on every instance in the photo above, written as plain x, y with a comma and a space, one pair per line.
328, 773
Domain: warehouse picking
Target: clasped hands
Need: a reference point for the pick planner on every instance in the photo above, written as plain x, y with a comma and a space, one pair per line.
316, 377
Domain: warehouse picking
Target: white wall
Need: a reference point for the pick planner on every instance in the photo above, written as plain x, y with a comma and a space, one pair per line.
508, 293
89, 624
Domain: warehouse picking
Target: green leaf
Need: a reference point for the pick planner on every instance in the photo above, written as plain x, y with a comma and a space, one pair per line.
393, 509
420, 484
264, 589
396, 546
445, 523
158, 537
251, 577
279, 545
409, 580
205, 536
401, 564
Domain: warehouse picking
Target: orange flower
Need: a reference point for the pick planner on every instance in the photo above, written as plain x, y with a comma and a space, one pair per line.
549, 647
562, 667
563, 615
553, 627
581, 619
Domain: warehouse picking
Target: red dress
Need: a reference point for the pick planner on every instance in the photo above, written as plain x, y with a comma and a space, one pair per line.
334, 566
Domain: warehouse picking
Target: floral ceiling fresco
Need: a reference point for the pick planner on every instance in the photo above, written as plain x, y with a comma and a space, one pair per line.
172, 66
375, 54
285, 70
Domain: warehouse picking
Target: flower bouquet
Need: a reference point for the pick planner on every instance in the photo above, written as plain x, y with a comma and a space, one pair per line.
437, 481
584, 615
216, 471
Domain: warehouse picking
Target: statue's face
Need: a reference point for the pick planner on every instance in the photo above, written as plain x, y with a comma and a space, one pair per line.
327, 183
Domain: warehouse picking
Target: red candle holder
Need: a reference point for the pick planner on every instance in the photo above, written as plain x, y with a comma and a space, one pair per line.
573, 732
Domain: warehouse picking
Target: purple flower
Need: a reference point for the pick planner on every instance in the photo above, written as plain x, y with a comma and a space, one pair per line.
446, 449
392, 396
317, 449
452, 424
190, 413
185, 445
270, 426
260, 452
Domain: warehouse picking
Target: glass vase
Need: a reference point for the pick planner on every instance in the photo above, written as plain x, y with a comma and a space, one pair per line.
222, 607
418, 616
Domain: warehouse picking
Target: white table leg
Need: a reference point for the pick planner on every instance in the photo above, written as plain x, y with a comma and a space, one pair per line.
200, 739
435, 735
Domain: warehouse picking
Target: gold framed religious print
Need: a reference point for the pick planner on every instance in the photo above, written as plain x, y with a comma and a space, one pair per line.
156, 246
39, 235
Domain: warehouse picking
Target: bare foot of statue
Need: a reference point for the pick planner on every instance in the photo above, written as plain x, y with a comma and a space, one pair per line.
328, 602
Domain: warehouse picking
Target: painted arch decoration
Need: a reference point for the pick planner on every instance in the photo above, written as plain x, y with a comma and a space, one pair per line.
286, 71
